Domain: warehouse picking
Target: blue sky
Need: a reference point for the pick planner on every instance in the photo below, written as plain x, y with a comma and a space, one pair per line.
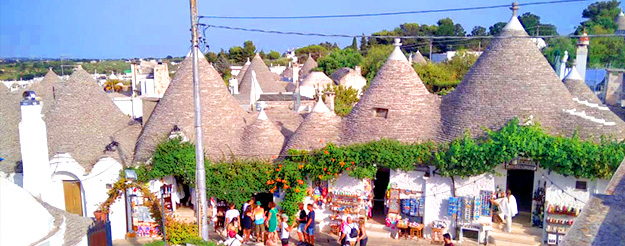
157, 28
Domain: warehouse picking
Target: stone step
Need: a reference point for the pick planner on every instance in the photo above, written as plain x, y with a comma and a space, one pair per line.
503, 238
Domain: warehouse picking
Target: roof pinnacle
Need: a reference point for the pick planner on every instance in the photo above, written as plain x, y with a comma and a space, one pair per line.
514, 8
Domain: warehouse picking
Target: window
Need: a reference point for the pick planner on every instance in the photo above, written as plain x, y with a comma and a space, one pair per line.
381, 112
580, 185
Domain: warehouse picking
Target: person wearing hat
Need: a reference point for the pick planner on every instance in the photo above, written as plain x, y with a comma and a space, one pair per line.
232, 239
285, 230
259, 222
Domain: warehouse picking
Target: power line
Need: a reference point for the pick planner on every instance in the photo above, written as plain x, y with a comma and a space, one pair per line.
406, 37
383, 14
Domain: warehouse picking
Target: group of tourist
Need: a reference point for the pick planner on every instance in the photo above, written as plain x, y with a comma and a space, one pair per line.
269, 227
353, 232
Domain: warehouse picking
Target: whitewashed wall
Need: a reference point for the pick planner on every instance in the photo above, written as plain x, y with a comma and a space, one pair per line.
412, 180
93, 188
130, 106
23, 220
556, 193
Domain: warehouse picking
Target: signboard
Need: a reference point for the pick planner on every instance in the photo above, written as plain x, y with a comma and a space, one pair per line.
522, 163
552, 239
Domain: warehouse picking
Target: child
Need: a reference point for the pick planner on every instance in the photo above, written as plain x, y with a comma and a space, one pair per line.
447, 240
285, 230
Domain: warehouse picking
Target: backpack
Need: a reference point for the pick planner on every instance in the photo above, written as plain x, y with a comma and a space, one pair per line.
353, 233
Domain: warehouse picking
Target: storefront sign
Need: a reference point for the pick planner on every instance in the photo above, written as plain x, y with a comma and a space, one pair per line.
522, 163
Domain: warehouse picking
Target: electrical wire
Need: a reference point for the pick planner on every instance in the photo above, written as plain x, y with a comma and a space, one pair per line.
408, 37
384, 13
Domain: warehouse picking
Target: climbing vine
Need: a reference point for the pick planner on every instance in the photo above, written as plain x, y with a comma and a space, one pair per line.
118, 190
465, 156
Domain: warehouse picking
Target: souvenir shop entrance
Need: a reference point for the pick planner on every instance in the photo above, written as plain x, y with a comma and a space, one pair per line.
380, 185
521, 183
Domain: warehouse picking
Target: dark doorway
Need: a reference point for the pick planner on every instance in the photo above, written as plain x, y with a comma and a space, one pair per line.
380, 184
521, 183
264, 199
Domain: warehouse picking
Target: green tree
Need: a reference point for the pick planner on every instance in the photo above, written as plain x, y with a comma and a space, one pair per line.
339, 59
364, 47
354, 45
344, 100
223, 66
436, 77
249, 49
314, 50
495, 29
262, 54
274, 55
375, 58
556, 49
532, 25
237, 55
602, 14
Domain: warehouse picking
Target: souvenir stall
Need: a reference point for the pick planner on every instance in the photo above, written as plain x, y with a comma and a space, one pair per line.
335, 200
405, 204
472, 213
142, 222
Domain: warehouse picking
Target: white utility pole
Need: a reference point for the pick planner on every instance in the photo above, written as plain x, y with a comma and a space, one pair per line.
200, 172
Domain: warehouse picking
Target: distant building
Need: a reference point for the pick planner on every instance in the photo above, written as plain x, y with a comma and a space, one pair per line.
446, 56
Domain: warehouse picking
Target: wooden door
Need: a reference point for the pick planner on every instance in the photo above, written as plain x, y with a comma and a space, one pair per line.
73, 197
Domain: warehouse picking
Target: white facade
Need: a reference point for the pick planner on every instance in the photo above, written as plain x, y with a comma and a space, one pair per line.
19, 210
131, 106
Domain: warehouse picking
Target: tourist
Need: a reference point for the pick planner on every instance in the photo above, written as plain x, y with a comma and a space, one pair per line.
234, 225
247, 204
272, 240
232, 239
231, 213
247, 224
447, 240
259, 222
363, 238
507, 209
350, 233
310, 225
302, 218
272, 222
285, 230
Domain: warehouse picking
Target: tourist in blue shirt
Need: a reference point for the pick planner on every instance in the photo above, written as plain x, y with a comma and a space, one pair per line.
310, 226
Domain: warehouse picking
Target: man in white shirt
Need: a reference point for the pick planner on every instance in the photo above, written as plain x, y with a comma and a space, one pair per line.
507, 209
231, 214
347, 232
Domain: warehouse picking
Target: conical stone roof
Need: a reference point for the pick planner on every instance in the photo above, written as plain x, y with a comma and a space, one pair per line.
320, 128
397, 105
576, 86
10, 118
287, 73
317, 79
262, 139
418, 58
267, 80
308, 66
83, 120
243, 70
513, 79
590, 104
46, 89
223, 120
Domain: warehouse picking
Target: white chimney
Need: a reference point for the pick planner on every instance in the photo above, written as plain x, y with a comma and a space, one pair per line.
295, 73
582, 54
330, 100
34, 146
562, 68
358, 70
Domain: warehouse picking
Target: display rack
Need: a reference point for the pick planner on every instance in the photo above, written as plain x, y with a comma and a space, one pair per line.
538, 201
345, 203
557, 221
